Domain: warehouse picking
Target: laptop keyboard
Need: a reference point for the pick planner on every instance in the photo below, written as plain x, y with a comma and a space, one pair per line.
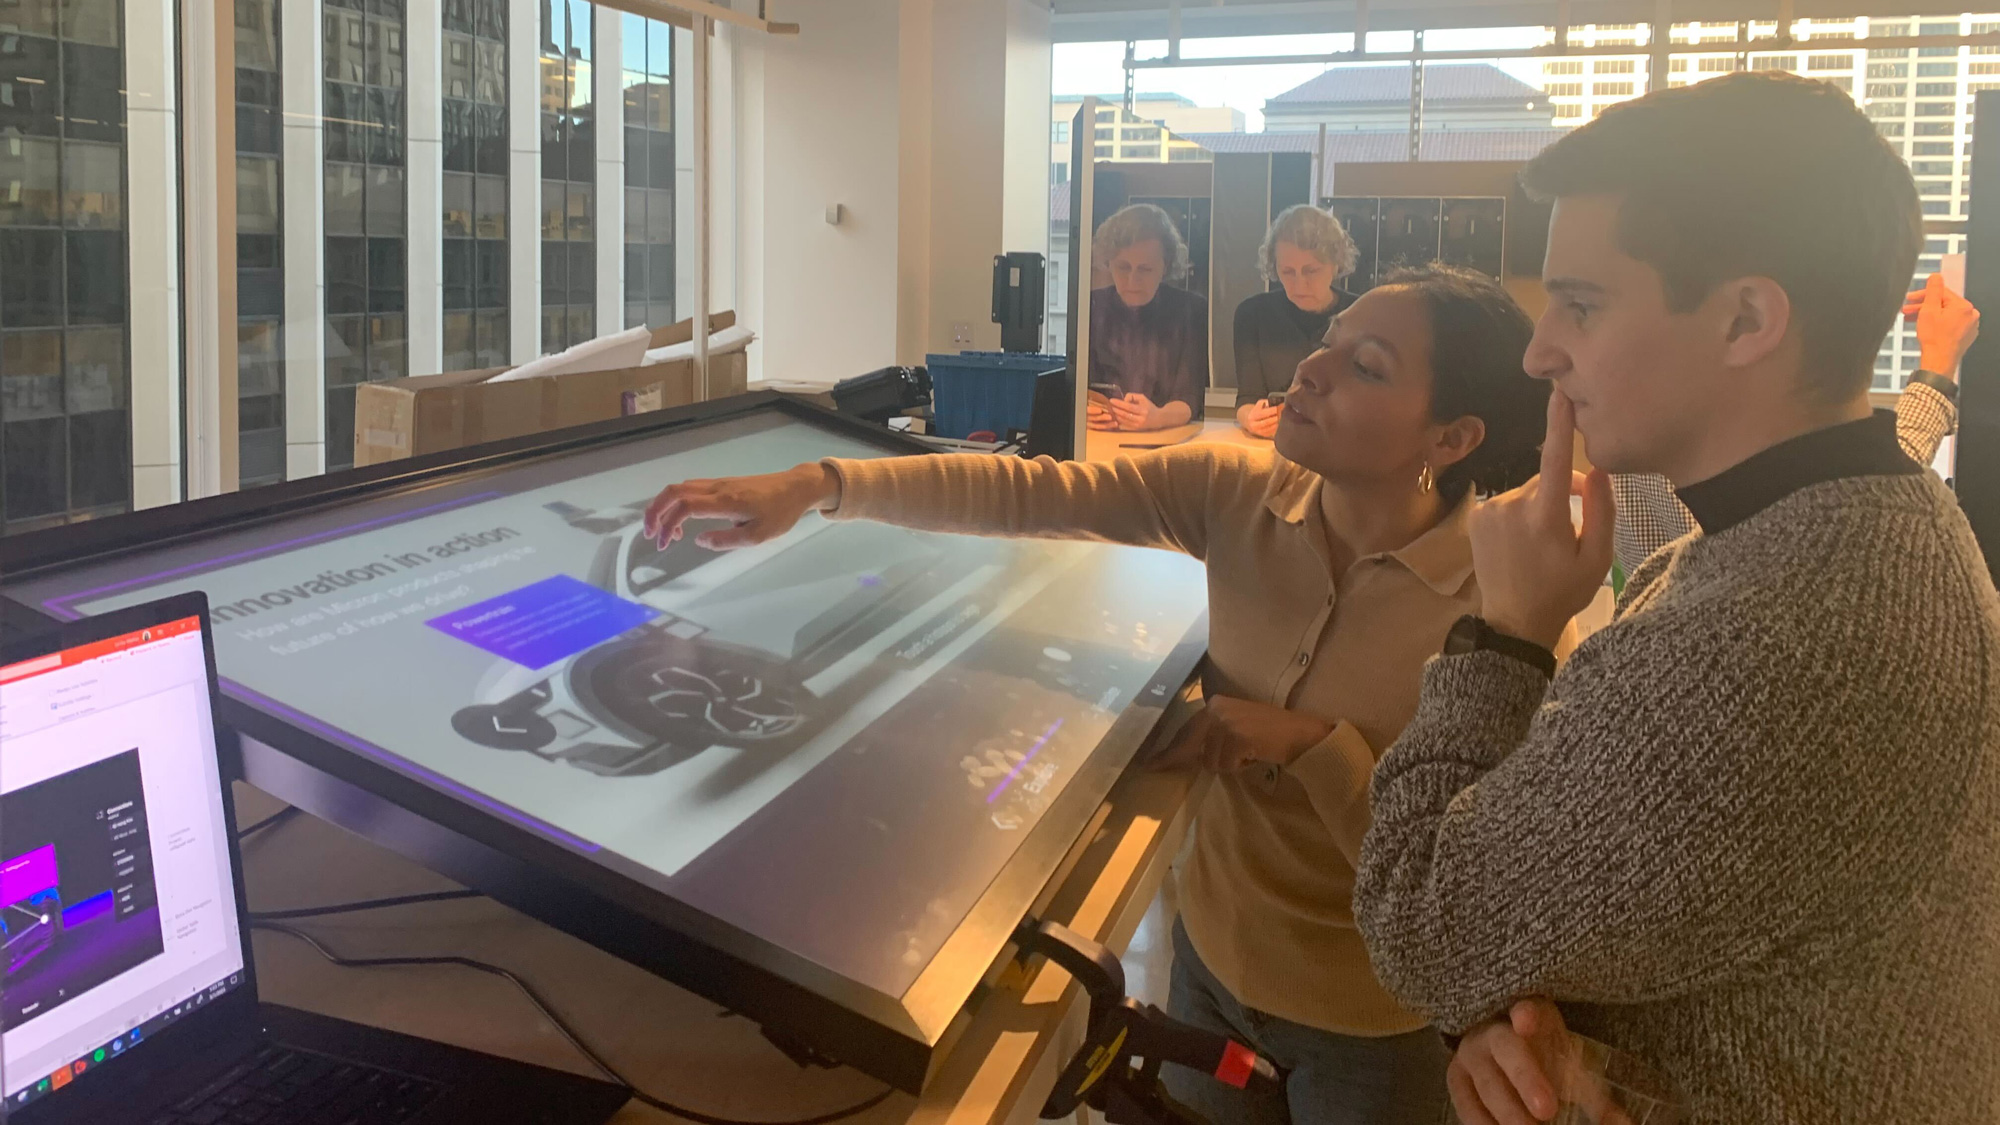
280, 1086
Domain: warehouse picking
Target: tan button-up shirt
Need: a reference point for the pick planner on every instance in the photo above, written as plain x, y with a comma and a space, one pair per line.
1267, 897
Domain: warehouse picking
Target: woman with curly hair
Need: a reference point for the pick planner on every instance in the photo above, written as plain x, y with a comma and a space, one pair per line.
1337, 560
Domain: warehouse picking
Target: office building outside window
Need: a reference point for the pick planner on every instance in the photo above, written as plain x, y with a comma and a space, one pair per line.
474, 86
260, 273
1919, 100
649, 172
65, 374
569, 176
366, 229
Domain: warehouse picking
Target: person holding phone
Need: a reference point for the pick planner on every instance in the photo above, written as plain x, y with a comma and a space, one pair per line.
1336, 562
1306, 253
1147, 337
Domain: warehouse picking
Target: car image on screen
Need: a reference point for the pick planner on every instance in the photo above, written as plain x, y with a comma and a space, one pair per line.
752, 649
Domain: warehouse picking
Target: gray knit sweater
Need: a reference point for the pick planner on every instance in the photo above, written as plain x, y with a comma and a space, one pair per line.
1750, 833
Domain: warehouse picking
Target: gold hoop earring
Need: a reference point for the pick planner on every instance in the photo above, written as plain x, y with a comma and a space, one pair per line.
1425, 480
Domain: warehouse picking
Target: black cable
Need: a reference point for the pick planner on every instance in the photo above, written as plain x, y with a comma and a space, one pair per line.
272, 821
561, 1025
365, 904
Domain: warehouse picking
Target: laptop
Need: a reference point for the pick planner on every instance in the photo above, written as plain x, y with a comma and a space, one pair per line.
129, 992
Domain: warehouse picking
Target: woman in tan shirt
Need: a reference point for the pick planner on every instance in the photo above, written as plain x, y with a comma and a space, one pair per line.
1335, 568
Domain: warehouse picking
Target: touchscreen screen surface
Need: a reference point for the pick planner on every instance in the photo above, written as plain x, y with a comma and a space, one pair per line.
834, 741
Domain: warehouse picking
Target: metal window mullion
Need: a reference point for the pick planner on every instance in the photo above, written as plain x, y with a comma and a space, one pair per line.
152, 254
524, 179
423, 175
302, 149
607, 76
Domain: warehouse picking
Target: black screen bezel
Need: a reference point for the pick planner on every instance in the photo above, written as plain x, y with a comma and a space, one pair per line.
854, 1023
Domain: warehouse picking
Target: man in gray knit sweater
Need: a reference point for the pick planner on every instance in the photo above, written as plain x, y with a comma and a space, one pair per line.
1750, 833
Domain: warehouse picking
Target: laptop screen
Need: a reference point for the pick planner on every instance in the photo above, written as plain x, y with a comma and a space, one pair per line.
118, 909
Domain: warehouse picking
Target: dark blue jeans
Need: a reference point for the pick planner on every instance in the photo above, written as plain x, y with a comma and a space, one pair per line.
1333, 1079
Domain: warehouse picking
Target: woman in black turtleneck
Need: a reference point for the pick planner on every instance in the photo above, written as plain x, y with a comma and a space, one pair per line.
1306, 251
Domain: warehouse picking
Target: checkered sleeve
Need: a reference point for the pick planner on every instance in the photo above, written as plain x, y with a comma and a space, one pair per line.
1650, 516
1923, 417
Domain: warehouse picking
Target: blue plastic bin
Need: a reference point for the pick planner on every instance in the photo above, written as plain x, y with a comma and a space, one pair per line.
993, 391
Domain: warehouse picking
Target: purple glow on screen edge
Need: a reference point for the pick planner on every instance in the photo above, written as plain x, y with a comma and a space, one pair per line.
61, 607
1023, 763
64, 601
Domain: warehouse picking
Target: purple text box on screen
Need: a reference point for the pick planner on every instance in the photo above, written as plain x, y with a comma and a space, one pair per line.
539, 624
27, 874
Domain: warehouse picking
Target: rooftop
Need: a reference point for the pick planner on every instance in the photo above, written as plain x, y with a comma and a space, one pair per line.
1443, 82
1440, 145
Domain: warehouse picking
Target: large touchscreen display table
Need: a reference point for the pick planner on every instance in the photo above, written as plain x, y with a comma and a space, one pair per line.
818, 755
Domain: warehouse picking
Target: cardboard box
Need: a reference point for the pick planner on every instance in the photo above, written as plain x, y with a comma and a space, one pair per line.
432, 413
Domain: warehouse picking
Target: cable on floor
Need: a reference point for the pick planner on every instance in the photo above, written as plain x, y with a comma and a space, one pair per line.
561, 1025
364, 904
272, 821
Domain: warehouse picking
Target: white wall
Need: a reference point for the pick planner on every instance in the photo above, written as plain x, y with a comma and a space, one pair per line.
822, 108
926, 121
1025, 203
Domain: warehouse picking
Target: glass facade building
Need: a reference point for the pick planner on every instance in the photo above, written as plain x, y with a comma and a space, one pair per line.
65, 371
649, 171
476, 289
569, 176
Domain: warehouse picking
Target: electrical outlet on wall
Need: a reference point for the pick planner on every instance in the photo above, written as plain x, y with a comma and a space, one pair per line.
961, 333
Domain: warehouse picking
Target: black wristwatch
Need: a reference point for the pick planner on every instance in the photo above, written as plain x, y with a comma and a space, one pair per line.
1942, 384
1473, 634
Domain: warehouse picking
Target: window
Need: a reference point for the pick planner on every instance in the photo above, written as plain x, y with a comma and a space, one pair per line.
1613, 89
1938, 29
1888, 30
1573, 66
1931, 167
1149, 133
1104, 134
1723, 65
1937, 89
1103, 152
1888, 70
1935, 128
1889, 128
1937, 206
1830, 62
569, 176
1677, 66
1888, 89
1774, 62
1934, 187
651, 165
1058, 173
1885, 109
1142, 152
1060, 133
65, 380
1979, 87
1186, 153
1937, 52
1931, 148
1983, 68
1933, 109
1614, 66
260, 272
1571, 109
1565, 89
477, 289
366, 232
1937, 70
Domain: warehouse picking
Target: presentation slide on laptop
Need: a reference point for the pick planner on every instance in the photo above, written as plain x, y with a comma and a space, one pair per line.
116, 901
515, 640
77, 900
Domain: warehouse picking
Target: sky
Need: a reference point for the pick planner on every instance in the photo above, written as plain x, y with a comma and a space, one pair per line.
1095, 68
